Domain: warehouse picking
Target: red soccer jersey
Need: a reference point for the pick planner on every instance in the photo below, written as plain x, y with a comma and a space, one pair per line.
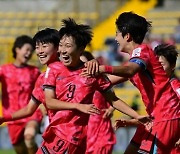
38, 95
71, 125
100, 131
17, 86
160, 100
175, 83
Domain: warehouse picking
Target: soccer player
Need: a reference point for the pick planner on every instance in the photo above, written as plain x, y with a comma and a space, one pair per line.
146, 72
100, 134
167, 55
18, 81
47, 42
67, 130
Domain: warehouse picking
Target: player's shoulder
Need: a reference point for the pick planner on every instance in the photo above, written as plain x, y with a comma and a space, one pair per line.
55, 65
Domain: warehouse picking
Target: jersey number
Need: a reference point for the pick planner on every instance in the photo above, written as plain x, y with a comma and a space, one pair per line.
71, 90
58, 145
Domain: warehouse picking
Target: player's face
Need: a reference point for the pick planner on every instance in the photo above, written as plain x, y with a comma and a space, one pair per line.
165, 64
24, 53
69, 53
121, 41
46, 52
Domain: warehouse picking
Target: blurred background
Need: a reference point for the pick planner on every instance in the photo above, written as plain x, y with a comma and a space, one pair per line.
19, 17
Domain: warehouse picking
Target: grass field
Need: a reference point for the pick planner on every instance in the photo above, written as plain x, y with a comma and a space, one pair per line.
10, 151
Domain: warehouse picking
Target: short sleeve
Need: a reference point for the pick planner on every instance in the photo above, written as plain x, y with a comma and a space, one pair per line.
103, 83
37, 93
141, 55
50, 78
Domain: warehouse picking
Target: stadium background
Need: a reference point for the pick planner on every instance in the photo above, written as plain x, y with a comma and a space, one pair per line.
27, 17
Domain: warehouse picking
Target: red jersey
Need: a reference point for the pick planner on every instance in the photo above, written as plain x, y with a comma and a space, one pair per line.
71, 125
175, 83
17, 86
38, 95
160, 100
100, 131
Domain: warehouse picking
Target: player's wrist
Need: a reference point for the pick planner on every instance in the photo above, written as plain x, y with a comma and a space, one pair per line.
7, 117
108, 69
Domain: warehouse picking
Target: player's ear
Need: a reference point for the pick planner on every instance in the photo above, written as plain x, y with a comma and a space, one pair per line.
128, 37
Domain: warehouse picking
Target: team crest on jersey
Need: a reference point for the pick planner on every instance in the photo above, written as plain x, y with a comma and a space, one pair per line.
136, 52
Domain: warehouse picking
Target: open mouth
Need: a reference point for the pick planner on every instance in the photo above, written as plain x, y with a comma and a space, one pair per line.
65, 58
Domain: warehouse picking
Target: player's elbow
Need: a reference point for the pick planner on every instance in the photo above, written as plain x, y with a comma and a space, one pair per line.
130, 73
49, 103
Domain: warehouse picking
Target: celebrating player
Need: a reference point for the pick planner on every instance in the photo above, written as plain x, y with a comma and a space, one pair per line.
67, 130
18, 81
147, 74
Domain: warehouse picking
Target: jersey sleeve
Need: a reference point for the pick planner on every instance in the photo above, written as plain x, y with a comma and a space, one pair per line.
175, 84
50, 78
103, 83
37, 93
141, 56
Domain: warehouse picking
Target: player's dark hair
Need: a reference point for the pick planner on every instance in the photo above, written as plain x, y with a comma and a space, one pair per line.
88, 55
47, 35
137, 26
81, 33
168, 51
19, 43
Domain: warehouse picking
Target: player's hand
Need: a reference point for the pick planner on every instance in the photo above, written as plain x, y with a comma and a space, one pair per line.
125, 123
88, 108
146, 120
177, 144
91, 68
119, 123
108, 113
1, 120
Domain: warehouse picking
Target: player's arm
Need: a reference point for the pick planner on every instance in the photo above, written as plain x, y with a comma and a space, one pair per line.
124, 108
116, 79
128, 70
55, 104
22, 113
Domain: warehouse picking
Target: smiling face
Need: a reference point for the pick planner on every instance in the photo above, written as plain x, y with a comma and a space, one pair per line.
46, 53
69, 53
24, 53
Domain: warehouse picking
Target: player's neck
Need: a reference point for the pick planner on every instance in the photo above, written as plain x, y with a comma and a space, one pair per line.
19, 64
79, 65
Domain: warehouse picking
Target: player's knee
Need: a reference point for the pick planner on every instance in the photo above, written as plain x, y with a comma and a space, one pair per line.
29, 137
30, 143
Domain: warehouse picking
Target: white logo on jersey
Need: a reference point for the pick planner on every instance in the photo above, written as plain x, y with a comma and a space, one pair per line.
178, 91
136, 52
47, 72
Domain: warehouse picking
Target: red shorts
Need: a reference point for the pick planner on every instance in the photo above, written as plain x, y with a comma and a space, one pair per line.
107, 149
137, 138
16, 132
162, 138
55, 145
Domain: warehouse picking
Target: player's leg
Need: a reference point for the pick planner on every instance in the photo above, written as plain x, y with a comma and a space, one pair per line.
135, 143
29, 136
16, 132
131, 149
20, 148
